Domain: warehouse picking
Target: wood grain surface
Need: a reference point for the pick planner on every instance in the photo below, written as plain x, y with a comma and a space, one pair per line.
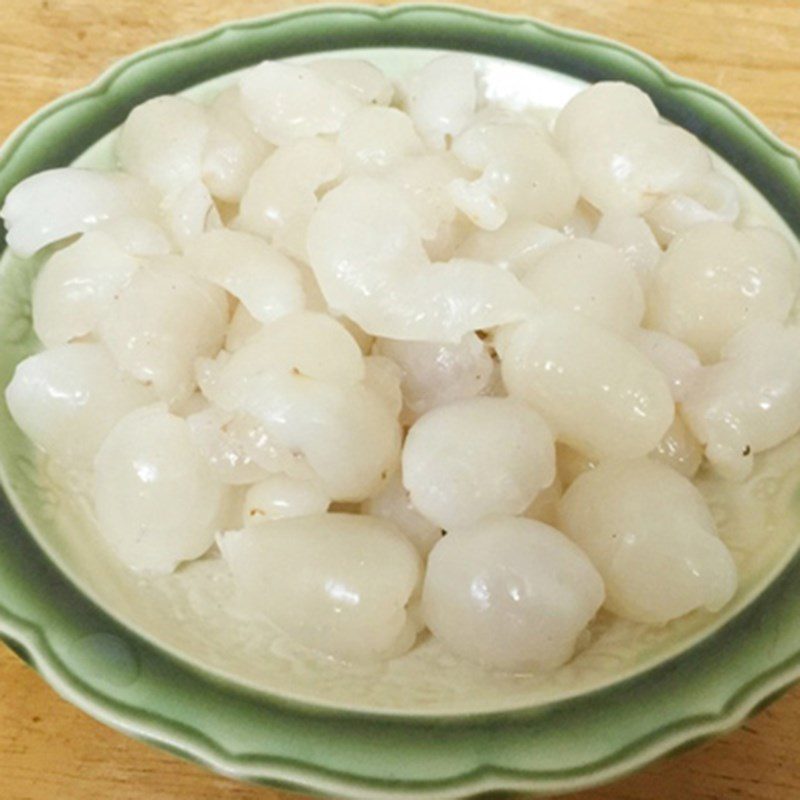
747, 48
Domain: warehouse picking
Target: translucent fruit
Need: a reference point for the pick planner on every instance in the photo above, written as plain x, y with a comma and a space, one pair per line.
376, 137
156, 498
714, 280
58, 203
515, 246
76, 285
338, 583
189, 212
280, 497
716, 199
365, 248
162, 141
265, 451
138, 235
522, 175
441, 98
596, 390
223, 446
281, 194
424, 180
286, 102
650, 534
623, 154
268, 284
677, 362
346, 433
749, 401
589, 278
302, 378
233, 150
632, 236
66, 399
306, 344
160, 322
360, 78
434, 374
510, 594
475, 458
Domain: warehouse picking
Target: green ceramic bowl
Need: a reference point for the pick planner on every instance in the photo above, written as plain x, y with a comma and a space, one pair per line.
149, 658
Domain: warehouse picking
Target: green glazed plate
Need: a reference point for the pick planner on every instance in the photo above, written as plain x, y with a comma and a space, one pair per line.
432, 747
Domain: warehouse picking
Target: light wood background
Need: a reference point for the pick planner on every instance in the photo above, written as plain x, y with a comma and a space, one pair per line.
747, 48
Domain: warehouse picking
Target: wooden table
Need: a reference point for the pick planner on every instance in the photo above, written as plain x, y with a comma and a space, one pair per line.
748, 48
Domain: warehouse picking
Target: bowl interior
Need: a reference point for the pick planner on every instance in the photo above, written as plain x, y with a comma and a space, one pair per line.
191, 614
